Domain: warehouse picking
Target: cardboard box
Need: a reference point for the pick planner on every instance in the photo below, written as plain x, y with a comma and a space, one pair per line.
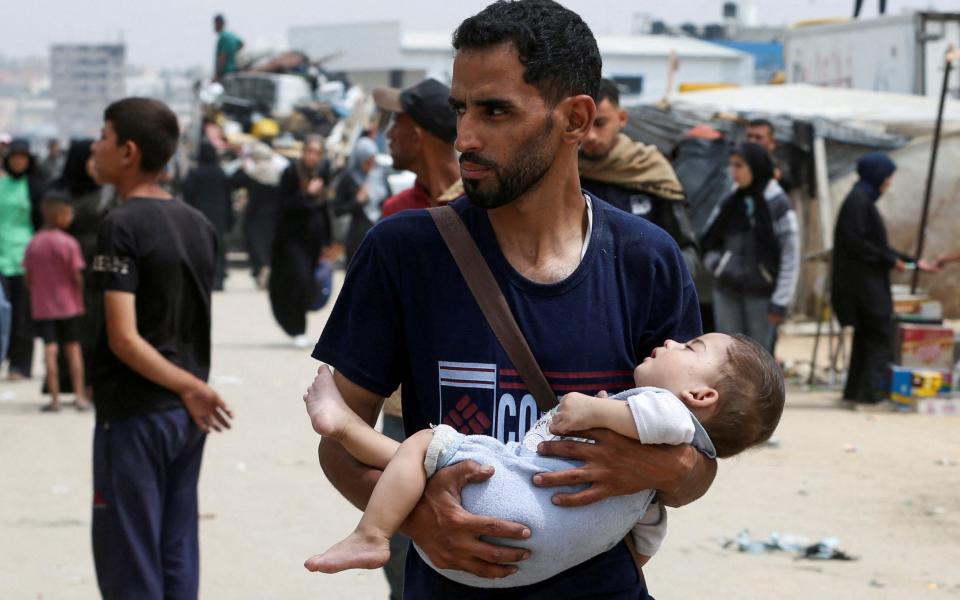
945, 407
925, 346
908, 384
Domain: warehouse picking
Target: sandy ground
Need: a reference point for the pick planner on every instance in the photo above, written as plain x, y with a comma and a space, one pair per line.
886, 485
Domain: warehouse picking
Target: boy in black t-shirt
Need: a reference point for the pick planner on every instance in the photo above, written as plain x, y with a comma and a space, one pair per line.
155, 263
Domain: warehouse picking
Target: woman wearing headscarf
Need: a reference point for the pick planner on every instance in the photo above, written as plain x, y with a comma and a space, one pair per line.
860, 287
20, 195
206, 188
753, 249
360, 192
260, 176
303, 230
91, 202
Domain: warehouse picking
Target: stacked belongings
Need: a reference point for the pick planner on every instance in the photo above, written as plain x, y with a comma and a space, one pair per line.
925, 377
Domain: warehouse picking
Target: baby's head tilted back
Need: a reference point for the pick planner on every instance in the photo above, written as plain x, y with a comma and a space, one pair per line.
751, 396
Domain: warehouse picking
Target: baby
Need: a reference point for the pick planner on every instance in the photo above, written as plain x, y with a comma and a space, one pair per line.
723, 394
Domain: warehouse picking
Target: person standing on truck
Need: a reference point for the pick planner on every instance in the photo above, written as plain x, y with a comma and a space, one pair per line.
228, 46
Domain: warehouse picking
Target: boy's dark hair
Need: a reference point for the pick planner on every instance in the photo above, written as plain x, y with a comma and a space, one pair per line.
557, 50
751, 398
608, 91
762, 123
148, 123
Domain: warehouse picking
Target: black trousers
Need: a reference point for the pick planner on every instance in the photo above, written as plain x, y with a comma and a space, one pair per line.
21, 325
872, 353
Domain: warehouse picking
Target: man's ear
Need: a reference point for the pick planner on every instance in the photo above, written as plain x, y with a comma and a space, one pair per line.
622, 117
700, 397
579, 112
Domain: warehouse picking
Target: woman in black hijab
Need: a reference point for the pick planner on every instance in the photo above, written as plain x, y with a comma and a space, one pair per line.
91, 202
260, 176
303, 230
860, 287
742, 249
207, 189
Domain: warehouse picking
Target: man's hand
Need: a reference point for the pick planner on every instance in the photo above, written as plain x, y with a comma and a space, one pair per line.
900, 266
207, 408
615, 466
775, 318
451, 536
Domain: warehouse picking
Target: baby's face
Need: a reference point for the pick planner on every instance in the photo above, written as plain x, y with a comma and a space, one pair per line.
675, 366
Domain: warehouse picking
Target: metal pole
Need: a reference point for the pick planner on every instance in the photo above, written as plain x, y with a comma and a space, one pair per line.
933, 164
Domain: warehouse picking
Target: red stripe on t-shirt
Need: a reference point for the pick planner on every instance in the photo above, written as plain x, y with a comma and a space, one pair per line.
572, 387
572, 375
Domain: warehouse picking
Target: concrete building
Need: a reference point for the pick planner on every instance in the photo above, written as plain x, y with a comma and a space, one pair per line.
84, 79
173, 88
373, 54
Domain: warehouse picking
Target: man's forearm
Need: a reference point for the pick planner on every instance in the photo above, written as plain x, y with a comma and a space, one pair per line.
354, 480
694, 486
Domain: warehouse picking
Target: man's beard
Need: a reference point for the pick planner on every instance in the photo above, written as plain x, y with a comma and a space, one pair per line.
530, 165
602, 155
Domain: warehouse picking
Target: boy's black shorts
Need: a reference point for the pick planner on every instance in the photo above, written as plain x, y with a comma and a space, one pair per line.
63, 331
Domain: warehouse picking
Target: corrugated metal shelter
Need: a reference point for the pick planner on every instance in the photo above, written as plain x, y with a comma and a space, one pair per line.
845, 124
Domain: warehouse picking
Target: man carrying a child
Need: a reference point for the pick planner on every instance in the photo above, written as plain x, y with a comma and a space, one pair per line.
593, 290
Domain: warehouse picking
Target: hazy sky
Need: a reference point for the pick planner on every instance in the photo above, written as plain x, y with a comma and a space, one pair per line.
178, 33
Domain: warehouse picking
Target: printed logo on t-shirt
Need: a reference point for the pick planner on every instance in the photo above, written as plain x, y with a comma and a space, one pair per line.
480, 399
467, 395
117, 265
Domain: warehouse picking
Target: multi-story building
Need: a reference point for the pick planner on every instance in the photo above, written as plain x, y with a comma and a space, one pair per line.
84, 79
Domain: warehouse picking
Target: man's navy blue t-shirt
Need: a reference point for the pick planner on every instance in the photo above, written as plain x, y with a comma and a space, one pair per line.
405, 316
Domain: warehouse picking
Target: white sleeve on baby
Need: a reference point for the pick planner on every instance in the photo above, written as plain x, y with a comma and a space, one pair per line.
660, 417
650, 530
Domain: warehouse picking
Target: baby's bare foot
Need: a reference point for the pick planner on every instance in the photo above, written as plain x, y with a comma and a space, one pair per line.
356, 551
328, 412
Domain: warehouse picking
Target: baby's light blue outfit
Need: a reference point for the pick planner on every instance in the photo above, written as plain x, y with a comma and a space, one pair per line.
562, 537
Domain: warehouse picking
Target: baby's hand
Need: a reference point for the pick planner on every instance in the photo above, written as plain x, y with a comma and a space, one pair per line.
573, 414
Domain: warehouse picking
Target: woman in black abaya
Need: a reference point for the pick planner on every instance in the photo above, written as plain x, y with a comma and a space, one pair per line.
303, 230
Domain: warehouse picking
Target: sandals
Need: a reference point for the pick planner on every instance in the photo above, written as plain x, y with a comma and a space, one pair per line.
50, 408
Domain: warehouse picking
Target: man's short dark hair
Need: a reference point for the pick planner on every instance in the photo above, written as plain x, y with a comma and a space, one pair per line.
557, 49
218, 18
762, 123
608, 91
148, 123
751, 398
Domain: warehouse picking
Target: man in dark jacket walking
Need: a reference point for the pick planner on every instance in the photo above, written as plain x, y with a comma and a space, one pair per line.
632, 176
860, 291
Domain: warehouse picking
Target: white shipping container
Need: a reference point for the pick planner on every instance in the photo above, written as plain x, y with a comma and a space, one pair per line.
902, 54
